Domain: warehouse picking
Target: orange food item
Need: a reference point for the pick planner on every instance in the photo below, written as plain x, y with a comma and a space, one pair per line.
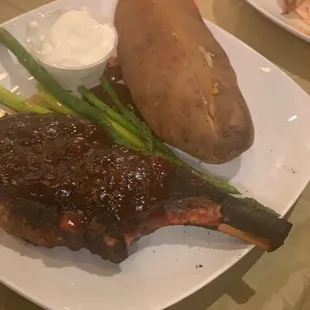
303, 10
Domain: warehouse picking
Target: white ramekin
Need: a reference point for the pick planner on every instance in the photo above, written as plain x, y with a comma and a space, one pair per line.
68, 77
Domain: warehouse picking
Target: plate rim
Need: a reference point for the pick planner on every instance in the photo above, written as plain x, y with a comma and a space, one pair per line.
279, 22
247, 247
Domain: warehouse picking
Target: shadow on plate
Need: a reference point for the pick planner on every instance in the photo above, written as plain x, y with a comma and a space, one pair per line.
191, 237
231, 282
228, 283
224, 171
62, 257
288, 52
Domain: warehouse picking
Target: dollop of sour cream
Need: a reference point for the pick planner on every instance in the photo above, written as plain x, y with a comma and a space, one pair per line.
76, 39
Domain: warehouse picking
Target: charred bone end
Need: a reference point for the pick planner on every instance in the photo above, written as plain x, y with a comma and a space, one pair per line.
233, 217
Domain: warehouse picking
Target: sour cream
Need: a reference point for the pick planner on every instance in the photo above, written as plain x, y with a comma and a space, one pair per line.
74, 40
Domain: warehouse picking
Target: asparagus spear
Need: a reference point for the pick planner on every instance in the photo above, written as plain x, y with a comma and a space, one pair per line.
50, 102
73, 102
93, 99
160, 148
19, 103
130, 140
145, 131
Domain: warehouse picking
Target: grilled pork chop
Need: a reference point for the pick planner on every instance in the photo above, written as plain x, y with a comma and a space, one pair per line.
62, 183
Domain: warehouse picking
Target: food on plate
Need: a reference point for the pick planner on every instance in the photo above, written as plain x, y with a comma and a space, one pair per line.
64, 183
181, 79
289, 6
303, 10
104, 181
301, 7
105, 117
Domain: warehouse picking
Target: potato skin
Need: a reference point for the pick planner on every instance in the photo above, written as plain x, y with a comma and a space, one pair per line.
164, 50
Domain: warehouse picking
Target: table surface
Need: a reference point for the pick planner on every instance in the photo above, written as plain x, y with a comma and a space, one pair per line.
277, 281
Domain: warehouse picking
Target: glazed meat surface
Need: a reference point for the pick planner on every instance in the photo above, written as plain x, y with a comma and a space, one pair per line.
62, 182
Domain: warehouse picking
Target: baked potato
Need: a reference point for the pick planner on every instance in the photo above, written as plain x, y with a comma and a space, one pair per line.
181, 79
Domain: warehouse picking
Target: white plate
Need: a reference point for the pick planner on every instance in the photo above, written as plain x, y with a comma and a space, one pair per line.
272, 10
162, 269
